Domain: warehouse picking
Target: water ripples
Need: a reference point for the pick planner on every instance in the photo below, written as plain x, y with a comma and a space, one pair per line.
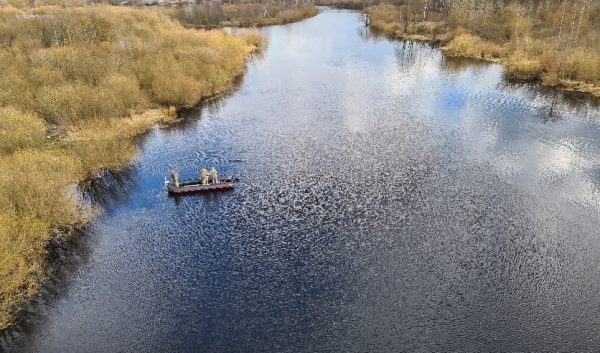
412, 203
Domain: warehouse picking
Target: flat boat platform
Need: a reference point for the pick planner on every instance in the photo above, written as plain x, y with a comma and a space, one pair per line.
195, 185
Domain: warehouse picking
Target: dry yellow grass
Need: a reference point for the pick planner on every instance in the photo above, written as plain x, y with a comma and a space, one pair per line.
385, 18
555, 43
282, 17
32, 203
526, 70
348, 4
19, 131
72, 81
211, 15
255, 38
469, 45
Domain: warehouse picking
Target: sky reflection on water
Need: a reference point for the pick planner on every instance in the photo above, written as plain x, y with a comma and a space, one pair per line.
391, 200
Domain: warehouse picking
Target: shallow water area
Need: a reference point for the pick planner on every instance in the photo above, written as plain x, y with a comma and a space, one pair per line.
390, 200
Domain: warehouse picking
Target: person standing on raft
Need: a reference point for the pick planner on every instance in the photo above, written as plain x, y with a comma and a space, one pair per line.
204, 176
175, 178
214, 176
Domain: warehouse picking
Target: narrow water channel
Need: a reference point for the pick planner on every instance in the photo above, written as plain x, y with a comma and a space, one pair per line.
390, 200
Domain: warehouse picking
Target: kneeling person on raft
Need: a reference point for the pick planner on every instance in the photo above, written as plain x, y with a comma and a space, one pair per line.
204, 176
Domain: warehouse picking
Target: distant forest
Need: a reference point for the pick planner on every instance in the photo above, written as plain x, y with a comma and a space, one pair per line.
202, 13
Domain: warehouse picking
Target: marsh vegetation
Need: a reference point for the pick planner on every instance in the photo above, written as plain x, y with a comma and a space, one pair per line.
78, 85
244, 14
554, 41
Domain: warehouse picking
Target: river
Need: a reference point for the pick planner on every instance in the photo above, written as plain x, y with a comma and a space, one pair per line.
390, 200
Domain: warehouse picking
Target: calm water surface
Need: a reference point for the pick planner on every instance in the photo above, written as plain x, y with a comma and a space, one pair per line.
390, 200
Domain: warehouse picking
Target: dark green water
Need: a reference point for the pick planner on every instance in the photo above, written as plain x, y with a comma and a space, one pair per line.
390, 200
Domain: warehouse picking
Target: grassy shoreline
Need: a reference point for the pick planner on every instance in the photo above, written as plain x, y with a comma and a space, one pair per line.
535, 44
82, 85
241, 15
23, 289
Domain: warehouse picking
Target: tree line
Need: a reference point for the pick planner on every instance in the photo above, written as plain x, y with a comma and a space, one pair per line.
551, 40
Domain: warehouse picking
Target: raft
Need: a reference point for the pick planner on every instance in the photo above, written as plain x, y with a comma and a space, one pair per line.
195, 185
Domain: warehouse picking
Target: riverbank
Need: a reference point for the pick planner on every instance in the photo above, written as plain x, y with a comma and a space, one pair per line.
531, 43
486, 209
81, 85
209, 16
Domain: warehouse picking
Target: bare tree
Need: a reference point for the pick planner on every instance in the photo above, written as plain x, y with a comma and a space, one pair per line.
364, 18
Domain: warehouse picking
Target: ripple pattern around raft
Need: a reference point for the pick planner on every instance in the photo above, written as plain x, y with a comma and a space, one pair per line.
391, 200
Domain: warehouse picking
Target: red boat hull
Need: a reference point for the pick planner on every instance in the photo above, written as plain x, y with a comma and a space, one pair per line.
195, 186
